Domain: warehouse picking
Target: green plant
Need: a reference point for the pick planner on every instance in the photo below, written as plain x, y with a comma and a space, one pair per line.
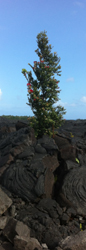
44, 90
71, 135
81, 227
77, 160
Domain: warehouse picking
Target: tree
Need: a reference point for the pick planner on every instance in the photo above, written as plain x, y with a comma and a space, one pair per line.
43, 92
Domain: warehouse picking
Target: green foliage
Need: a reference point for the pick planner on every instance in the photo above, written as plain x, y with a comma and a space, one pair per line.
11, 117
77, 160
71, 135
42, 92
81, 227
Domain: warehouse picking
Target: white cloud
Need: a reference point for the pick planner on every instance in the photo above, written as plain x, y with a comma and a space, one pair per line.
74, 12
83, 99
72, 104
71, 79
78, 3
60, 103
65, 104
0, 93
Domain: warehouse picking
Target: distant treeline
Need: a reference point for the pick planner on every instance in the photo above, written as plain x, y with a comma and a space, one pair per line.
15, 117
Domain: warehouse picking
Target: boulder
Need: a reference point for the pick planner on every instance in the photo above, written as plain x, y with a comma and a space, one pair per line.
75, 184
14, 227
42, 186
76, 242
6, 246
3, 221
20, 242
5, 202
33, 244
20, 124
67, 151
29, 174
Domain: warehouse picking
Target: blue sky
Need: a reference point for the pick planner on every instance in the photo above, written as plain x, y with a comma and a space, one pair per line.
65, 24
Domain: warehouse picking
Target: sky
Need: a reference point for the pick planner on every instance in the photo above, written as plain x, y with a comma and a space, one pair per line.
65, 24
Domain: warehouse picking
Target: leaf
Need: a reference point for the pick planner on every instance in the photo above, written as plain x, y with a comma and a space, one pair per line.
24, 71
77, 160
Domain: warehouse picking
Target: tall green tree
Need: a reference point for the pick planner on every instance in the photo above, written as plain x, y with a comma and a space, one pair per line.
43, 92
